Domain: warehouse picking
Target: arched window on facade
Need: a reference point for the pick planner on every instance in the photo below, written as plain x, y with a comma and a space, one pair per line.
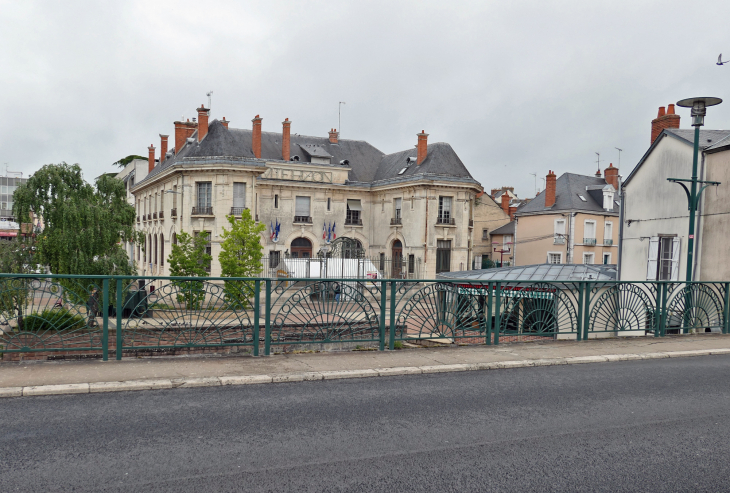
154, 259
162, 249
174, 238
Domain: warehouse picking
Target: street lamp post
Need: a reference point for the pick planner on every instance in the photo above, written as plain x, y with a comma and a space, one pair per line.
699, 109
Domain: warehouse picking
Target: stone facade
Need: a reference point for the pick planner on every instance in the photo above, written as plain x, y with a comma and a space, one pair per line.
436, 199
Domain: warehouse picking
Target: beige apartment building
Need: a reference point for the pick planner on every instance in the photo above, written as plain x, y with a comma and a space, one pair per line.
417, 206
575, 220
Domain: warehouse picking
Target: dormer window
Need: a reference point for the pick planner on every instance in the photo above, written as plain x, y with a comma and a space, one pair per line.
608, 200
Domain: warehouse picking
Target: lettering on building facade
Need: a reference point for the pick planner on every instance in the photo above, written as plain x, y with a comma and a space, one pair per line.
298, 175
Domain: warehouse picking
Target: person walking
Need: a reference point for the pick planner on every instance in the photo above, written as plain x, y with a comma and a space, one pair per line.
337, 290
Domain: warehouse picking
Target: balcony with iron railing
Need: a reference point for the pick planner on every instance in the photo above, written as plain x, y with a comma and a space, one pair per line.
137, 218
471, 223
589, 241
173, 212
608, 242
162, 215
353, 221
301, 219
154, 215
396, 221
558, 240
237, 211
448, 221
202, 211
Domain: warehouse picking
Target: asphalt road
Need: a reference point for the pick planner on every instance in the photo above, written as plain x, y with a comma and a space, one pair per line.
659, 425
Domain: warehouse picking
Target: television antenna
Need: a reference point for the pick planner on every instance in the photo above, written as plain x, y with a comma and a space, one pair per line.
339, 115
598, 161
535, 175
209, 94
619, 156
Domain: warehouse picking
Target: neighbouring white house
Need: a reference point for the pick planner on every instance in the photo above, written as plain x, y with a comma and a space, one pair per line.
655, 215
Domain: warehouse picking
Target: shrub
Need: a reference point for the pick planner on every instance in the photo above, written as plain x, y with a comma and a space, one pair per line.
53, 320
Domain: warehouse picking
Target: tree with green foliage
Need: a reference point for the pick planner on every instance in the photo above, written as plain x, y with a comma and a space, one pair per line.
240, 256
16, 257
85, 226
189, 259
126, 160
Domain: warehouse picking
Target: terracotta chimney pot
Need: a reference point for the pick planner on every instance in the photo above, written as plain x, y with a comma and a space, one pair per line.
550, 182
256, 137
422, 147
285, 139
334, 136
151, 158
163, 147
202, 122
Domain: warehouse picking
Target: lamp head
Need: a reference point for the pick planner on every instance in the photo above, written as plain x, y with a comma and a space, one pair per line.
699, 108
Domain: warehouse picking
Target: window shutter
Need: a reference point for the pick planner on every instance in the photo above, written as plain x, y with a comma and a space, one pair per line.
239, 195
302, 206
651, 264
675, 259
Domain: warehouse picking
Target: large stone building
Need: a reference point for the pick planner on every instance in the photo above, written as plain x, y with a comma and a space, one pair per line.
417, 205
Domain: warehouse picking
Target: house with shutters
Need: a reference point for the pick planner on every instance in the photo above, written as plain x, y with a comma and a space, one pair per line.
412, 212
655, 216
573, 221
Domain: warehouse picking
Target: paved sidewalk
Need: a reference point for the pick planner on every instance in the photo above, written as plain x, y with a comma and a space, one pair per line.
28, 378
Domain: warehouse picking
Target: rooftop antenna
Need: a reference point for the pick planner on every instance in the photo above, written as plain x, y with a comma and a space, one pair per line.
339, 115
535, 175
209, 94
720, 62
598, 161
619, 157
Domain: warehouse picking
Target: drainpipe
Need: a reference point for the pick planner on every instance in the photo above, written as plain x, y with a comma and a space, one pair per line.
425, 239
622, 195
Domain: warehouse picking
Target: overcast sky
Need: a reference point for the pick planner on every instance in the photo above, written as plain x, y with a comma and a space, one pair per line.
515, 87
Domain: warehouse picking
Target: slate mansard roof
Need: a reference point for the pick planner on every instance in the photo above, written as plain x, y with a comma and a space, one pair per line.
368, 165
569, 188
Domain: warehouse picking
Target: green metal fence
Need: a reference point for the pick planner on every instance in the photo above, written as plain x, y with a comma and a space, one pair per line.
112, 316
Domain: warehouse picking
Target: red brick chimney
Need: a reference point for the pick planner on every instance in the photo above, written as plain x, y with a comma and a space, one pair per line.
421, 149
664, 120
550, 181
505, 203
512, 211
183, 130
151, 159
285, 139
611, 175
334, 134
163, 147
202, 122
224, 122
256, 137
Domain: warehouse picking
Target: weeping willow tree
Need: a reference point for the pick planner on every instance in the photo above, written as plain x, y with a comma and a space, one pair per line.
85, 226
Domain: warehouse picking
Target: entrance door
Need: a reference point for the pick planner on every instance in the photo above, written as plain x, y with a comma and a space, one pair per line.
397, 259
301, 248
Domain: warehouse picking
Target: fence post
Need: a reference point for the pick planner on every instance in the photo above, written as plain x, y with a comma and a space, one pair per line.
663, 325
581, 287
256, 315
391, 335
726, 311
267, 329
497, 313
383, 301
105, 330
489, 314
586, 310
120, 340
